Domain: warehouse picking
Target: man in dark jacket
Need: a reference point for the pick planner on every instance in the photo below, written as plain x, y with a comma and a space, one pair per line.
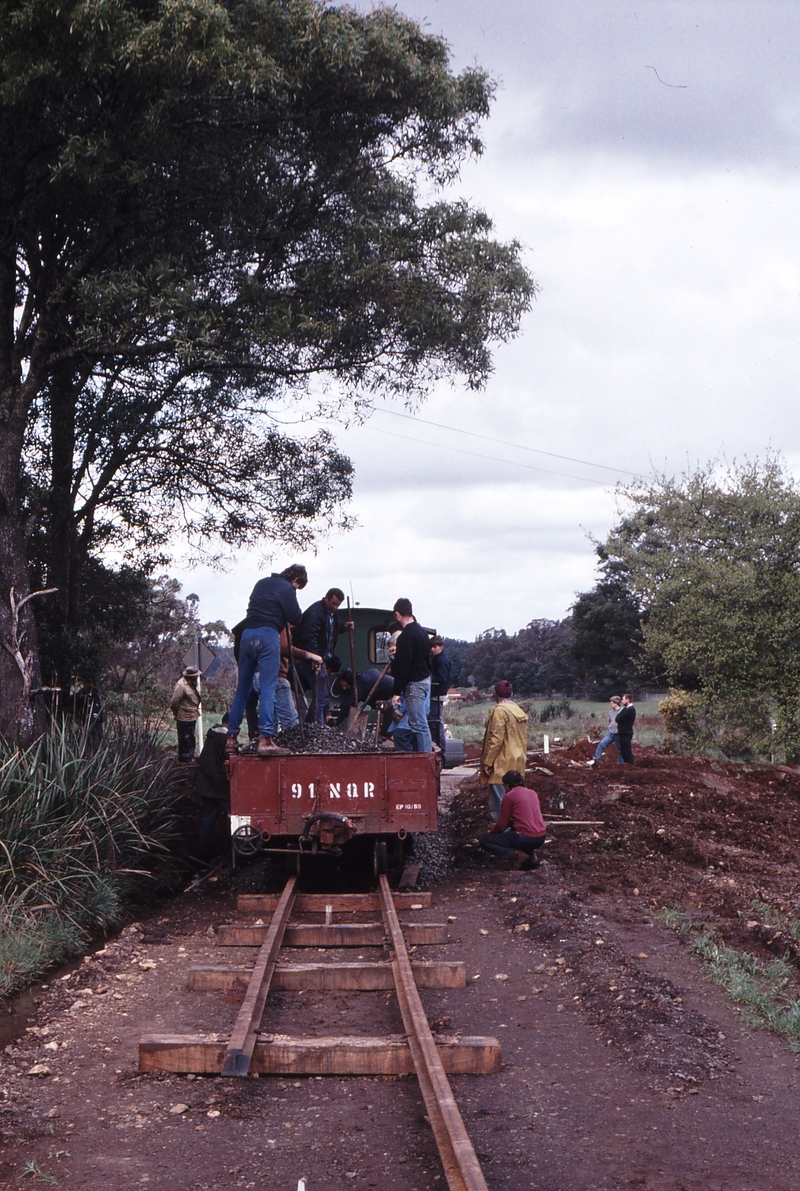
366, 680
625, 722
411, 671
273, 605
211, 783
318, 633
440, 685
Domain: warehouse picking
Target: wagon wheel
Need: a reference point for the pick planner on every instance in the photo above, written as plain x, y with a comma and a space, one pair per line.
380, 862
247, 840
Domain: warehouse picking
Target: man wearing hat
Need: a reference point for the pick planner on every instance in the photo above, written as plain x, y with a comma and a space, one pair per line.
185, 705
505, 745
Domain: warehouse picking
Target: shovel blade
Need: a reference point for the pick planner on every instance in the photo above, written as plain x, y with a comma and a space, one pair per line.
356, 724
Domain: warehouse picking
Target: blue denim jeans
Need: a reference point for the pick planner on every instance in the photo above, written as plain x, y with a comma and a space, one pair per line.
417, 696
285, 710
609, 738
497, 793
403, 740
260, 649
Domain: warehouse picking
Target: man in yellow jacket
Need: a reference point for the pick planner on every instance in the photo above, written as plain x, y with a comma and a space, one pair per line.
505, 744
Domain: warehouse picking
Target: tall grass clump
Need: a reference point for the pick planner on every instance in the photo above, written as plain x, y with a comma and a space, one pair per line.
81, 823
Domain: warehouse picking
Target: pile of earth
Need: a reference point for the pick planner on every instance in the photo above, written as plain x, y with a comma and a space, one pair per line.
715, 839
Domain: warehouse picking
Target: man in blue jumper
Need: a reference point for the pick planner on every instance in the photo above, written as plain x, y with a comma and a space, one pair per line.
273, 605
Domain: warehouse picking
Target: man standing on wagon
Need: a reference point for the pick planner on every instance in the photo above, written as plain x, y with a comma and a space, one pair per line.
273, 605
411, 671
318, 632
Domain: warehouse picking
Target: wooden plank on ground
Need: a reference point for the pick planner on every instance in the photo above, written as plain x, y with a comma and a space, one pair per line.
344, 934
260, 903
282, 1055
356, 976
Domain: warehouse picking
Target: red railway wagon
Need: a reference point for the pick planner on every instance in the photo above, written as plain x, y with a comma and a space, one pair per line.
317, 803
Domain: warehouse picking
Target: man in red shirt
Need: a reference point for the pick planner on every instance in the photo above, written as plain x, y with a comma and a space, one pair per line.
520, 828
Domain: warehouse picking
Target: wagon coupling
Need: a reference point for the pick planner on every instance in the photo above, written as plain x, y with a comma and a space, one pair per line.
329, 831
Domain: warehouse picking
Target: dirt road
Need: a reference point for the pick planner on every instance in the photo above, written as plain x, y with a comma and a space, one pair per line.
624, 1066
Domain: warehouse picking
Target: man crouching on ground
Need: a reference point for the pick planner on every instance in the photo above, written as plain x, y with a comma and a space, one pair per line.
520, 828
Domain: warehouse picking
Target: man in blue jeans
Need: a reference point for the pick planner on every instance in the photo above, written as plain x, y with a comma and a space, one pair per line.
411, 672
273, 605
611, 734
520, 829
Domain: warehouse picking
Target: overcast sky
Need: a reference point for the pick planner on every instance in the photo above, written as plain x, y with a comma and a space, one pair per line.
646, 156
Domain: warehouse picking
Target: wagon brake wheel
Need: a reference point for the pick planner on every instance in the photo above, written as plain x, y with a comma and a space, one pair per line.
247, 840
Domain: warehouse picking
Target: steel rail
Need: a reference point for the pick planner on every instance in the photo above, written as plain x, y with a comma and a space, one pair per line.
461, 1166
243, 1038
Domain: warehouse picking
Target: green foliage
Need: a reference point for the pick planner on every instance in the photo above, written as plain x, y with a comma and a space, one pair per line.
456, 650
713, 559
79, 824
33, 1170
214, 224
785, 922
535, 660
678, 712
606, 639
760, 988
674, 919
552, 711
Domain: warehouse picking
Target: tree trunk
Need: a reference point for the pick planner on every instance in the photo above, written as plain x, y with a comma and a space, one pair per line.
63, 557
19, 654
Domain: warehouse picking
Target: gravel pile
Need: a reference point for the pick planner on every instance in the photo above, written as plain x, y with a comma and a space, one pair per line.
434, 852
321, 739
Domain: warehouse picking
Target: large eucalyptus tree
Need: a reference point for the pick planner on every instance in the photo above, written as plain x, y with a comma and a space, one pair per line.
204, 206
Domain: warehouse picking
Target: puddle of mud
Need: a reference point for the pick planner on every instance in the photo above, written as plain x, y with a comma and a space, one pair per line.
17, 1013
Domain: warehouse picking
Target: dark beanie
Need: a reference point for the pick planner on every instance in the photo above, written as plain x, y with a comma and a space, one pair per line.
504, 689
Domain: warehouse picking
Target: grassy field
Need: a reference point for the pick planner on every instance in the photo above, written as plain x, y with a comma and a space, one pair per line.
468, 721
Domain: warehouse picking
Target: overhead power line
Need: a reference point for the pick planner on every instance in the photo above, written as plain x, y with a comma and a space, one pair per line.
492, 458
505, 443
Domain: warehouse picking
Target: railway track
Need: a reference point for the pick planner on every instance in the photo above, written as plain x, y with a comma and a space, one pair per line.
250, 1048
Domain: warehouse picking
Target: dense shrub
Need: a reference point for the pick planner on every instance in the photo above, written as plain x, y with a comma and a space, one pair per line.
80, 822
552, 711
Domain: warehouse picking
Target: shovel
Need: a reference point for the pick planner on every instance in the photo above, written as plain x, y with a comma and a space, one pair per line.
357, 717
352, 715
297, 691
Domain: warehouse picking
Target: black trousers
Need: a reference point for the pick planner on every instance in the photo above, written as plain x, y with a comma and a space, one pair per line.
187, 741
625, 749
506, 843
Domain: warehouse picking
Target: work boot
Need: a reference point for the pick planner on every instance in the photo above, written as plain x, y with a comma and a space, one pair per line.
520, 860
232, 743
268, 748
